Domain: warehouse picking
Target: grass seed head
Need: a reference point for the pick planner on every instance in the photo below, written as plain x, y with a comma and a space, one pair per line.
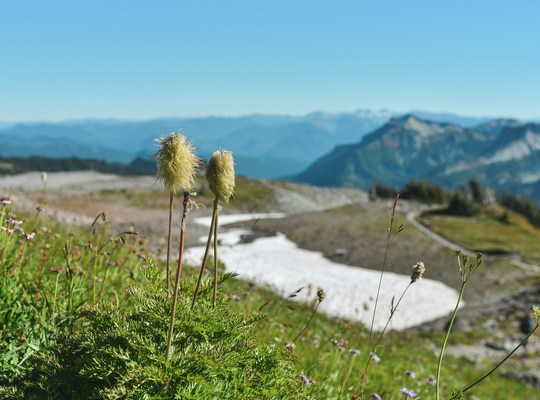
418, 271
220, 175
176, 162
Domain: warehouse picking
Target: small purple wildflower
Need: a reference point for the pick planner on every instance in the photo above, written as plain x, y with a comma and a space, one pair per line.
354, 352
306, 380
408, 392
5, 201
410, 374
375, 357
8, 230
339, 343
376, 396
30, 236
432, 380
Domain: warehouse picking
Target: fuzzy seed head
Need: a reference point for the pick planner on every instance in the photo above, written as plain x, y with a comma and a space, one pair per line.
418, 271
321, 294
220, 175
176, 162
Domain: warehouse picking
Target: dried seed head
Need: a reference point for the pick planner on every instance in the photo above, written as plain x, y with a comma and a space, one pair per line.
176, 162
418, 271
220, 174
321, 294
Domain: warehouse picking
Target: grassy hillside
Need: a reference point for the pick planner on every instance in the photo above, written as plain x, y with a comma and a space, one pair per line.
494, 230
85, 311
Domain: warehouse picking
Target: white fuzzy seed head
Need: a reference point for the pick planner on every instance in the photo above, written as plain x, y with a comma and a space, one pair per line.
418, 271
176, 162
220, 175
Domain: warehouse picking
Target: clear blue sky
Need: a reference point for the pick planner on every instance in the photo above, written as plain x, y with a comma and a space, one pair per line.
142, 59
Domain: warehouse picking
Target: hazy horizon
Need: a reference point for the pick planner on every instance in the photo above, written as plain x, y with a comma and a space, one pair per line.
261, 114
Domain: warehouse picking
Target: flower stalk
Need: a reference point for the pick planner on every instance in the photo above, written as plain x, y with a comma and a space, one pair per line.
177, 165
220, 176
176, 168
466, 269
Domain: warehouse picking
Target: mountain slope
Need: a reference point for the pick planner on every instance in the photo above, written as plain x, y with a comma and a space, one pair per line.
264, 145
504, 154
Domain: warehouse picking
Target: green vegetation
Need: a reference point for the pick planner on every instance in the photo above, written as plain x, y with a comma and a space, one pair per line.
48, 275
493, 230
523, 205
116, 348
122, 353
86, 315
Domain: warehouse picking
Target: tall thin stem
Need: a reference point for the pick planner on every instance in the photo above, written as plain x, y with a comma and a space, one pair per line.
212, 223
500, 362
388, 242
169, 238
372, 350
308, 322
178, 273
216, 262
445, 341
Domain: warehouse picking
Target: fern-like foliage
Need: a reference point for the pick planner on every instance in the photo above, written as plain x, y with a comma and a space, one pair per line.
118, 354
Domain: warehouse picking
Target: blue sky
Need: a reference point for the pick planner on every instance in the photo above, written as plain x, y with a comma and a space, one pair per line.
143, 59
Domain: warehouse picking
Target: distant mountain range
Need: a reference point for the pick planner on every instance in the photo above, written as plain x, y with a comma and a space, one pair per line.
264, 146
503, 154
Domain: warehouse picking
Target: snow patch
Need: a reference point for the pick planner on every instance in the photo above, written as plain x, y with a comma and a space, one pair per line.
232, 218
278, 263
529, 177
516, 150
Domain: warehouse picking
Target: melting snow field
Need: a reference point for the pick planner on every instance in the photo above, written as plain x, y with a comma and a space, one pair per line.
278, 263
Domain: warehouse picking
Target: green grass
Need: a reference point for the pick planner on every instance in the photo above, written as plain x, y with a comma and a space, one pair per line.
336, 370
48, 284
487, 233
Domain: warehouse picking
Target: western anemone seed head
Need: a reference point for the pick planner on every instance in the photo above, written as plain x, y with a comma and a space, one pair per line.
176, 162
220, 174
418, 271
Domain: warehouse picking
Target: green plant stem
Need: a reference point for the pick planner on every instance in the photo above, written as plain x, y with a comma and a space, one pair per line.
107, 266
500, 362
94, 286
308, 322
7, 240
169, 238
392, 312
372, 350
389, 239
21, 257
205, 256
53, 315
347, 375
216, 262
178, 274
445, 341
387, 248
